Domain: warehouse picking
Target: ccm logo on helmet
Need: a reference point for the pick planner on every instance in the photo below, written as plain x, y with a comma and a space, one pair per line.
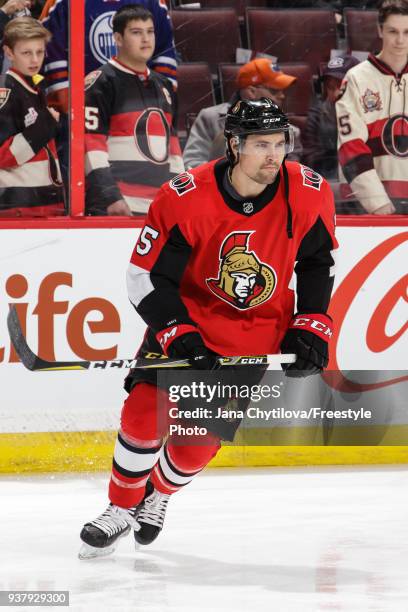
312, 324
311, 178
183, 183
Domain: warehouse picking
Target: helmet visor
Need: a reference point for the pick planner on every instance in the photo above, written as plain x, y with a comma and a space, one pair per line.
282, 144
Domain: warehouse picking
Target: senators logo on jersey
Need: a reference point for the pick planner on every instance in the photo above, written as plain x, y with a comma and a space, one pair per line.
4, 95
243, 280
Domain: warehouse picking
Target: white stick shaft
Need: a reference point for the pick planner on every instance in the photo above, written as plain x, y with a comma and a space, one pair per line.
276, 360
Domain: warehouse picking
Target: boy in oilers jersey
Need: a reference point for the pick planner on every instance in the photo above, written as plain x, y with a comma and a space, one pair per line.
131, 144
212, 274
99, 41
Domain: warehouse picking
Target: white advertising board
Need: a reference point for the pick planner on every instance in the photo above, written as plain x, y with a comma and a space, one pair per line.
69, 285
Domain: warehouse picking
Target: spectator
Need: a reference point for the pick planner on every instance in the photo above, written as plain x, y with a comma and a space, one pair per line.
30, 179
8, 10
320, 133
255, 80
99, 48
99, 41
131, 148
372, 116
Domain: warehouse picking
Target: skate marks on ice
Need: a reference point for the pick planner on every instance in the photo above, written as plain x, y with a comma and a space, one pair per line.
267, 539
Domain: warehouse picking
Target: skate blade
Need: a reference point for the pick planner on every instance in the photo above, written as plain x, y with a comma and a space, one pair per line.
90, 552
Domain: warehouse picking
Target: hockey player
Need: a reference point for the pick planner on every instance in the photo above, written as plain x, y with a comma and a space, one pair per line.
131, 146
372, 117
30, 178
212, 274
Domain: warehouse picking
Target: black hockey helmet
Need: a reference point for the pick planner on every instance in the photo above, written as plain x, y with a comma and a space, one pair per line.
259, 117
252, 116
256, 117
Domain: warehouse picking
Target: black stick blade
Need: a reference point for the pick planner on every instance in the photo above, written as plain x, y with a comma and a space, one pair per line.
28, 358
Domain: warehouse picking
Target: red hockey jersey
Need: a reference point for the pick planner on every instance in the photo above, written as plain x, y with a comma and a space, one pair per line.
227, 264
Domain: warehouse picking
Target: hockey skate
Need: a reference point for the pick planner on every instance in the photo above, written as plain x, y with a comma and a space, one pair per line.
150, 515
101, 536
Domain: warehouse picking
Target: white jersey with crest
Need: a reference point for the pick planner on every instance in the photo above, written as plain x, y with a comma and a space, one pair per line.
372, 118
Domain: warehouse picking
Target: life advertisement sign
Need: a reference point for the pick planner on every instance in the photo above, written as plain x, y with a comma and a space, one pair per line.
70, 292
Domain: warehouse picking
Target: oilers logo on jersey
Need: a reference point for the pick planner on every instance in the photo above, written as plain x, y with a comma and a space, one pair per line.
101, 39
243, 280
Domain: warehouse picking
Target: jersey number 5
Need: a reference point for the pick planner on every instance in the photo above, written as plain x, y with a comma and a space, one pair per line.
345, 127
91, 117
144, 244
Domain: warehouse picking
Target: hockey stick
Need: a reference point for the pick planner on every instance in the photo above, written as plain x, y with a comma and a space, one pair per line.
34, 363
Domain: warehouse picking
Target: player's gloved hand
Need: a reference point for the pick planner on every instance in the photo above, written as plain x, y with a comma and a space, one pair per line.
185, 342
307, 336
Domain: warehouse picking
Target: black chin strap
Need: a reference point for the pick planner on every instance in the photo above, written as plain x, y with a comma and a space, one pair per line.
286, 187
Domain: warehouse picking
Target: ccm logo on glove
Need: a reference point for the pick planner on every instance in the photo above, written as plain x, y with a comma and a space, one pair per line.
320, 326
166, 336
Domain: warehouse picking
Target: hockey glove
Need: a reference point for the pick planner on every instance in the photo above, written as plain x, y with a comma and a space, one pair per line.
308, 336
185, 342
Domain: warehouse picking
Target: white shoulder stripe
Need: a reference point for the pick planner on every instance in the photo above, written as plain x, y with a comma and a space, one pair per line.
138, 283
62, 85
55, 65
165, 59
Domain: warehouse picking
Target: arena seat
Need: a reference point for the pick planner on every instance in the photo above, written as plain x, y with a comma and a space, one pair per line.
361, 30
227, 74
195, 91
305, 35
213, 34
297, 97
238, 5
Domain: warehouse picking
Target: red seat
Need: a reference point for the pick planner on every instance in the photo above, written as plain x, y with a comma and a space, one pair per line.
212, 35
238, 5
293, 35
195, 91
297, 96
361, 30
227, 74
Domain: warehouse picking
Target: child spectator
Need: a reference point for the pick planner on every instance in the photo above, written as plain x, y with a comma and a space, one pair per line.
131, 147
372, 117
99, 41
30, 178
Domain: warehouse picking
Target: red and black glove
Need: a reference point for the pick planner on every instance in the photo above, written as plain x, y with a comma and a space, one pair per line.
185, 342
307, 336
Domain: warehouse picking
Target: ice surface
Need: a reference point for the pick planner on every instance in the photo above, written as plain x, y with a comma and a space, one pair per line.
281, 540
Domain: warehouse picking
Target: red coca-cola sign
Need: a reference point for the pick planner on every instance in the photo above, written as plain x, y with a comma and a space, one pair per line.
377, 338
